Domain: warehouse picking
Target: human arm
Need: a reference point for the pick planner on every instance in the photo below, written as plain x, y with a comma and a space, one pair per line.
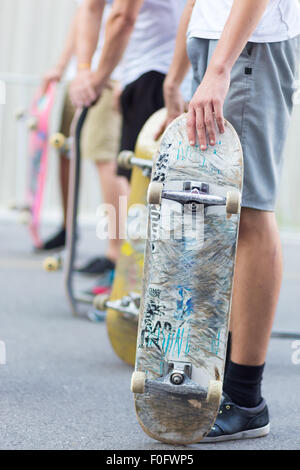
179, 67
207, 103
57, 71
117, 33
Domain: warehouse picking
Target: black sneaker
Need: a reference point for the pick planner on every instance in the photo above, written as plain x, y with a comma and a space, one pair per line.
97, 266
55, 242
236, 422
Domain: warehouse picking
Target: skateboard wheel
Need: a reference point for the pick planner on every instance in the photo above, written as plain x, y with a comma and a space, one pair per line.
233, 202
24, 217
214, 391
20, 113
138, 382
99, 302
124, 159
154, 193
51, 264
32, 123
12, 205
57, 140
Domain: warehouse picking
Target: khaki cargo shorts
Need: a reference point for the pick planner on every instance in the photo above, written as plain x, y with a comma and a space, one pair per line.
100, 140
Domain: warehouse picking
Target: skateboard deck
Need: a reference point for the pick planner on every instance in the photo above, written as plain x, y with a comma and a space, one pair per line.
123, 304
72, 211
194, 206
39, 115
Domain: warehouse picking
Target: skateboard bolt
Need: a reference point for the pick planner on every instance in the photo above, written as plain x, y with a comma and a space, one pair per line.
125, 302
177, 378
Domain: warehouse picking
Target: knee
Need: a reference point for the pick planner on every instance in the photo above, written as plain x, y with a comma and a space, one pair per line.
258, 226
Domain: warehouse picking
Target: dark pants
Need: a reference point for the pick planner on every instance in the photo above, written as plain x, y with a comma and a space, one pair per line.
139, 100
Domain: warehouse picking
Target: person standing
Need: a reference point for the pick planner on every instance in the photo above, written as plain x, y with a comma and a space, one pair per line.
244, 57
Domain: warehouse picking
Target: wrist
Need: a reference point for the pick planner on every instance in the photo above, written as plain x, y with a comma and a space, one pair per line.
99, 78
60, 68
83, 66
171, 85
219, 68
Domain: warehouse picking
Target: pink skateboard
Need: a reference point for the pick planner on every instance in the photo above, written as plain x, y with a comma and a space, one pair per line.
39, 115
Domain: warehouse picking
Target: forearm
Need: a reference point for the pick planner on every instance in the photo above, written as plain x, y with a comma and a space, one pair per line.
117, 33
88, 27
180, 63
242, 21
70, 43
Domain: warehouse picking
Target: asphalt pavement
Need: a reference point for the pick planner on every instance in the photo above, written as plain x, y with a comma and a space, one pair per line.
62, 386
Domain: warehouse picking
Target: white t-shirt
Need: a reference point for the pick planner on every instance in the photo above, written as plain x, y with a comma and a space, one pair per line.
72, 67
281, 20
152, 42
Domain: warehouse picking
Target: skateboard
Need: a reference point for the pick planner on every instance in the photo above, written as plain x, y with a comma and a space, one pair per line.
75, 296
62, 144
123, 303
38, 122
193, 221
72, 211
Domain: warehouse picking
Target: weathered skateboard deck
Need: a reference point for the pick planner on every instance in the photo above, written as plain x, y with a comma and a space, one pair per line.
73, 200
194, 206
123, 304
38, 123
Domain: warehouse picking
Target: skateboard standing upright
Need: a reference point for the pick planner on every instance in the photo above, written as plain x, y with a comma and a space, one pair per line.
38, 123
62, 144
194, 207
73, 200
123, 303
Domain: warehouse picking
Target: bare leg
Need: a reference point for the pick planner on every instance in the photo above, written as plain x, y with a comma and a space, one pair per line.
258, 278
112, 187
64, 183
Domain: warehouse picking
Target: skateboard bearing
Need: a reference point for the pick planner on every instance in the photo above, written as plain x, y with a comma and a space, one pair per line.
177, 378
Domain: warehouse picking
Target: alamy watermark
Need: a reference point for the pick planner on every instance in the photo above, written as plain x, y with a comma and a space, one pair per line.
2, 92
2, 353
179, 222
296, 353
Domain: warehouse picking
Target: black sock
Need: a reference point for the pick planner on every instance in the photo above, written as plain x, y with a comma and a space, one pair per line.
243, 384
228, 351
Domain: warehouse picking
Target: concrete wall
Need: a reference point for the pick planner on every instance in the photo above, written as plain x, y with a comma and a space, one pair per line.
31, 35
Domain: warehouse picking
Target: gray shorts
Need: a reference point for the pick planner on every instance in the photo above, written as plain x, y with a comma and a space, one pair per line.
259, 105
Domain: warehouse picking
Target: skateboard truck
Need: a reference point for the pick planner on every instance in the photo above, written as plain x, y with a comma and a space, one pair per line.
127, 160
194, 193
177, 380
128, 305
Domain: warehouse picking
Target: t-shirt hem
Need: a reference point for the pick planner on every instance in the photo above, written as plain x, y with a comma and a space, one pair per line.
132, 78
202, 34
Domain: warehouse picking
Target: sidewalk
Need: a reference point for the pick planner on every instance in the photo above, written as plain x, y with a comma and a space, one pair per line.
63, 387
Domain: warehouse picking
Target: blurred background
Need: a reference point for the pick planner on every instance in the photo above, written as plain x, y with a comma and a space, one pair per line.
32, 33
31, 37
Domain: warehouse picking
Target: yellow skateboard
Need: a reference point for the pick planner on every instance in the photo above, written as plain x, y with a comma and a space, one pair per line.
123, 303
